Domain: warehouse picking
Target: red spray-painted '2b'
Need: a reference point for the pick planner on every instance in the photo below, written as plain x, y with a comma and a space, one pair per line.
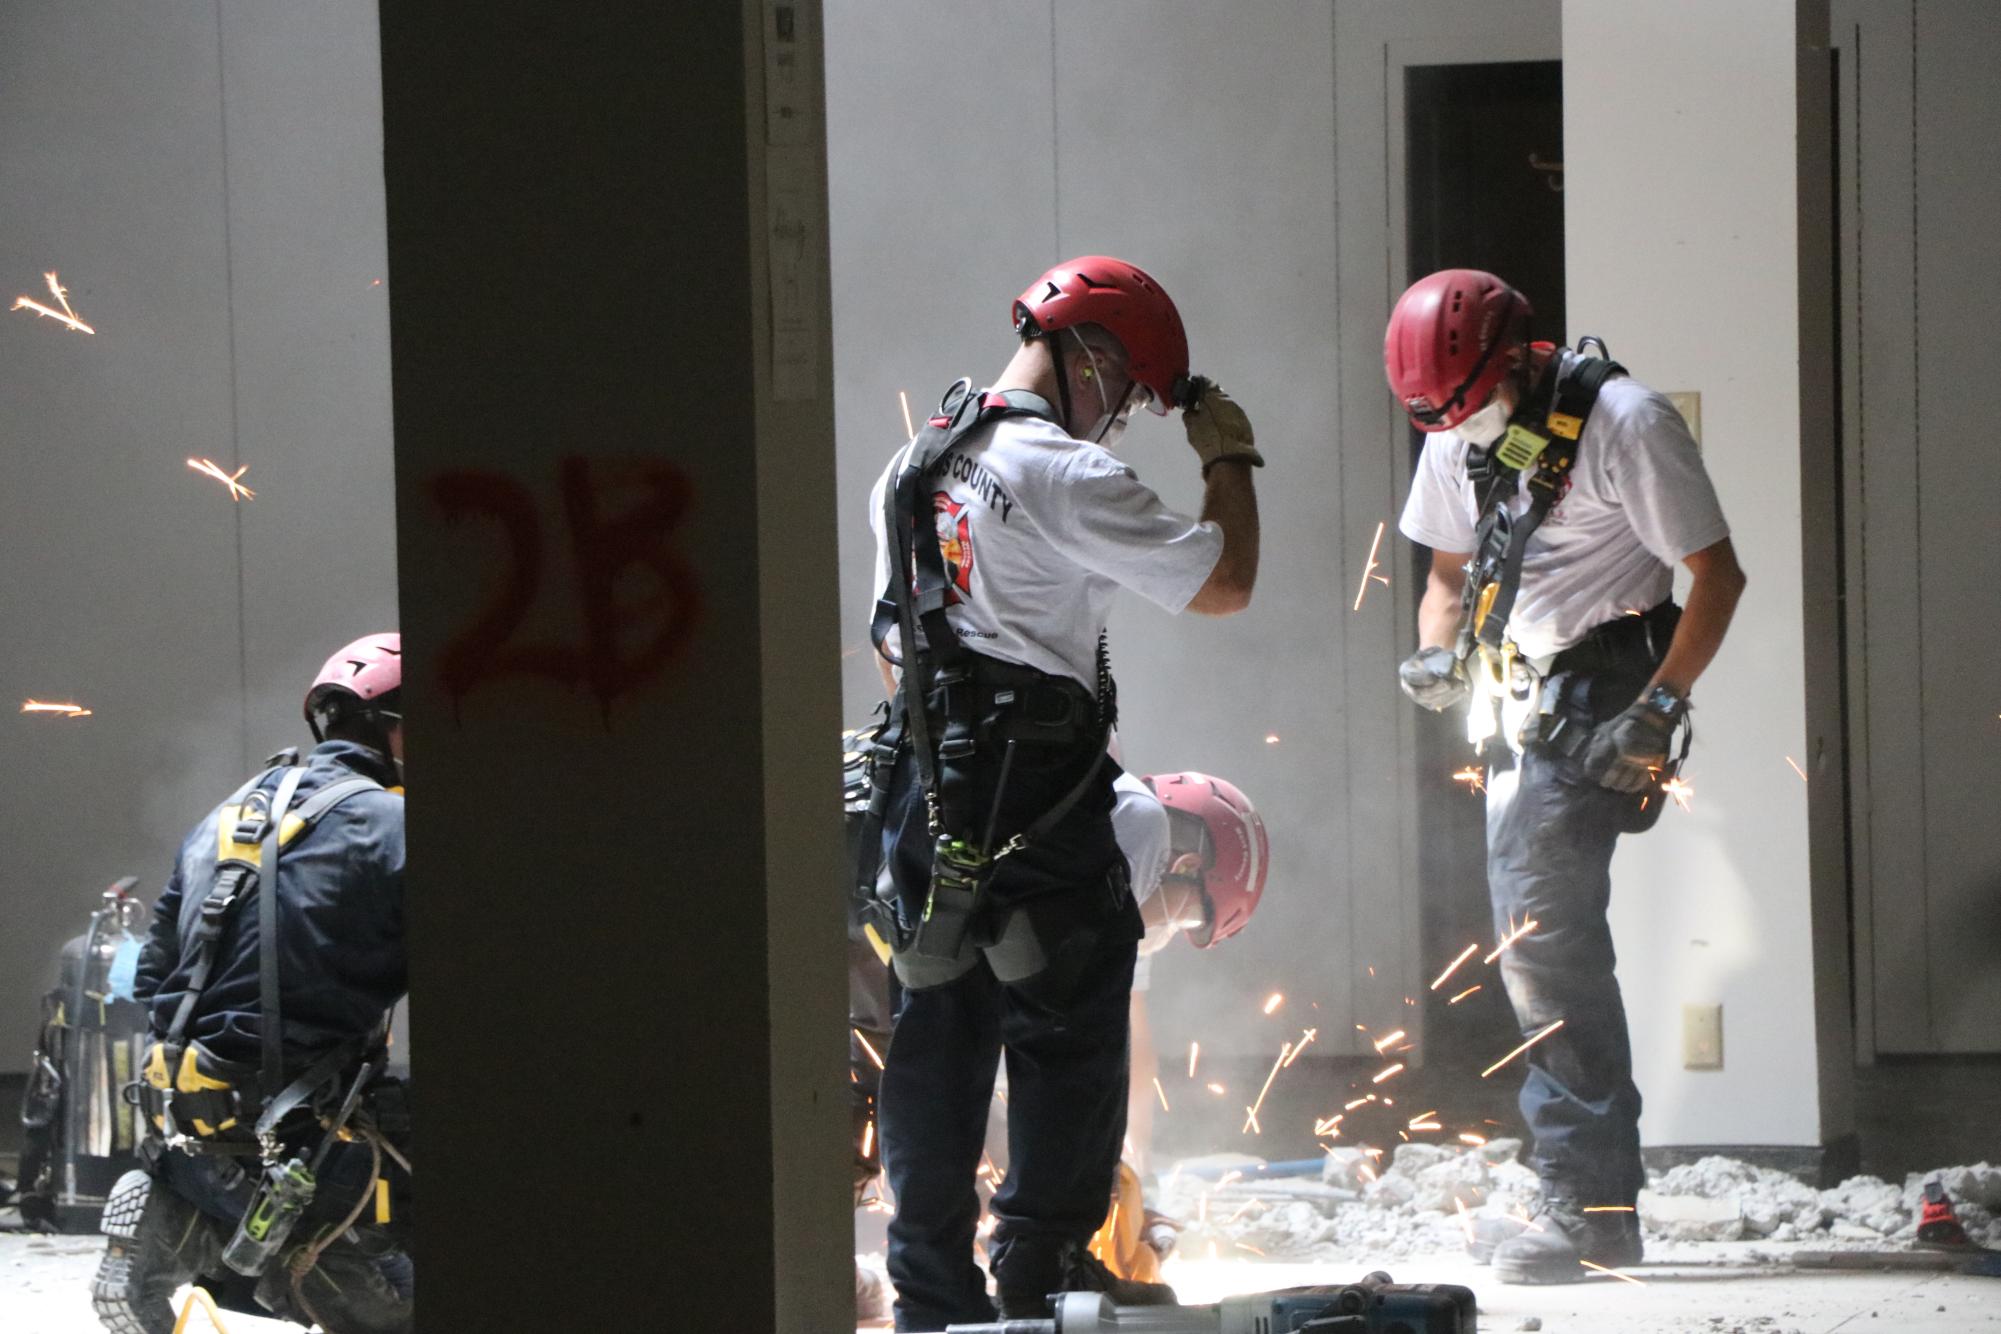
627, 640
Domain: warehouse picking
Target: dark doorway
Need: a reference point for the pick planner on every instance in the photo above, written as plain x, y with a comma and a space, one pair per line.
1483, 190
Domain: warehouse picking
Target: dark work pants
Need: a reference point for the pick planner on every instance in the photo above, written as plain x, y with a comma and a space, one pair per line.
1550, 835
1066, 1051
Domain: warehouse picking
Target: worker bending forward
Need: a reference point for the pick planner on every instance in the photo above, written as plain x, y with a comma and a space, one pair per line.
1002, 532
1557, 495
280, 1149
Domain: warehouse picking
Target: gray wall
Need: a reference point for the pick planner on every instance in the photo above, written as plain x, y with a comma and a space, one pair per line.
1922, 268
207, 179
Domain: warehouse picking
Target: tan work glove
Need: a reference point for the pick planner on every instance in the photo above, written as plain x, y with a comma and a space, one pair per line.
1218, 429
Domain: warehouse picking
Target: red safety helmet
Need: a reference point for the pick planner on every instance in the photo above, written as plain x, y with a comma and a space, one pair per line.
1447, 346
1123, 299
370, 670
1217, 822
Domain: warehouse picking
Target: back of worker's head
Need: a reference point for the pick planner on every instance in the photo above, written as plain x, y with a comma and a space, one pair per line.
358, 695
1114, 335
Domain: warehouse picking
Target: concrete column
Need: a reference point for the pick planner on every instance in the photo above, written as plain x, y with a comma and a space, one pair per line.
1698, 221
614, 466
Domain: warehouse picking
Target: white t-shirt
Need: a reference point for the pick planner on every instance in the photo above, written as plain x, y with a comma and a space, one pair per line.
1638, 503
1038, 530
1139, 822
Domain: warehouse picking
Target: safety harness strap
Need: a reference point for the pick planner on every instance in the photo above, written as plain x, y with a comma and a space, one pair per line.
1543, 432
271, 1020
918, 579
237, 878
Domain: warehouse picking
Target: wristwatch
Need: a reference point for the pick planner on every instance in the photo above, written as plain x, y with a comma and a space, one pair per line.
1665, 701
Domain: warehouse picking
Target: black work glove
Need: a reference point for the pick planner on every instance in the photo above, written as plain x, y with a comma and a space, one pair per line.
1627, 753
1433, 678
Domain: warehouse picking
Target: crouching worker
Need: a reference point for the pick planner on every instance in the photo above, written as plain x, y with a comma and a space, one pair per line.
280, 1151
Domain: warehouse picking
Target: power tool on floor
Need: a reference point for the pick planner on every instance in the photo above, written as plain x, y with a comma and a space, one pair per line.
1375, 1305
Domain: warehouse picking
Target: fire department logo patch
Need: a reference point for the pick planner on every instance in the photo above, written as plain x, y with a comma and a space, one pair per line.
955, 541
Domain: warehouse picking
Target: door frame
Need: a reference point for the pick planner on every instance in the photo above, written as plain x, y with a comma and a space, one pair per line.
1375, 44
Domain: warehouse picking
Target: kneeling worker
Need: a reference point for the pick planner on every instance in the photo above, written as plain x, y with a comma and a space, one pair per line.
275, 955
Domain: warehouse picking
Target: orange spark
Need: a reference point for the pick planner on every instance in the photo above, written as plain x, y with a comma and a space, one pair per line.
62, 710
1271, 738
1523, 1216
1468, 1137
1330, 1126
1512, 936
1609, 1209
873, 1055
1680, 789
1358, 1102
1243, 1209
1612, 1273
1256, 1107
1246, 1246
1381, 1075
1387, 1040
1465, 1219
66, 316
1475, 781
908, 429
1464, 994
868, 1137
1194, 1051
1796, 768
1273, 1001
1366, 1170
1304, 1038
1540, 1035
1370, 571
1453, 967
1216, 1089
1162, 1092
237, 491
1234, 1174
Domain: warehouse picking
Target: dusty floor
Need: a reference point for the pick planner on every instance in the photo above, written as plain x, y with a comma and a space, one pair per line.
1708, 1288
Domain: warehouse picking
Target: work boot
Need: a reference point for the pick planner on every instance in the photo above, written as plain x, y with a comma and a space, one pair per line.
1554, 1247
1076, 1270
1490, 1233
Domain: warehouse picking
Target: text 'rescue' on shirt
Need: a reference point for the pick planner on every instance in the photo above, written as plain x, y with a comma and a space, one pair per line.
1038, 530
1639, 502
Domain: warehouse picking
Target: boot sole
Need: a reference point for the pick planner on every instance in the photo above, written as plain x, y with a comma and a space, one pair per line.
1550, 1277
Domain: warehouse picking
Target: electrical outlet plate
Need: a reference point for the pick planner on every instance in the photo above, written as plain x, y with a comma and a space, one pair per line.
1688, 402
1702, 1037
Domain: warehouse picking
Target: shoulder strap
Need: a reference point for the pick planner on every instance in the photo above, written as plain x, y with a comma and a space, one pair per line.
332, 795
271, 1020
917, 577
1564, 402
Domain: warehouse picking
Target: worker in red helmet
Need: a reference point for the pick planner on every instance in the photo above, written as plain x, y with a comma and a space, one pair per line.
275, 955
1557, 495
1199, 857
1003, 531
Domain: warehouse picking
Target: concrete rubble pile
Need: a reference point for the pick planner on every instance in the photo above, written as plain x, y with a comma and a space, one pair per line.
1409, 1202
1722, 1199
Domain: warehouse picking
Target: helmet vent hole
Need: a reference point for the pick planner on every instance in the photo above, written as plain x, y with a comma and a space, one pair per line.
1054, 292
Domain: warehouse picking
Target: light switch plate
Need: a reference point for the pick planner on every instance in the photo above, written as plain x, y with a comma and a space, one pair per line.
1702, 1037
1688, 402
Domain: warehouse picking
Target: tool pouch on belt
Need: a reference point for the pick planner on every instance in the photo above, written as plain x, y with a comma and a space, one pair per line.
210, 1101
1594, 681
